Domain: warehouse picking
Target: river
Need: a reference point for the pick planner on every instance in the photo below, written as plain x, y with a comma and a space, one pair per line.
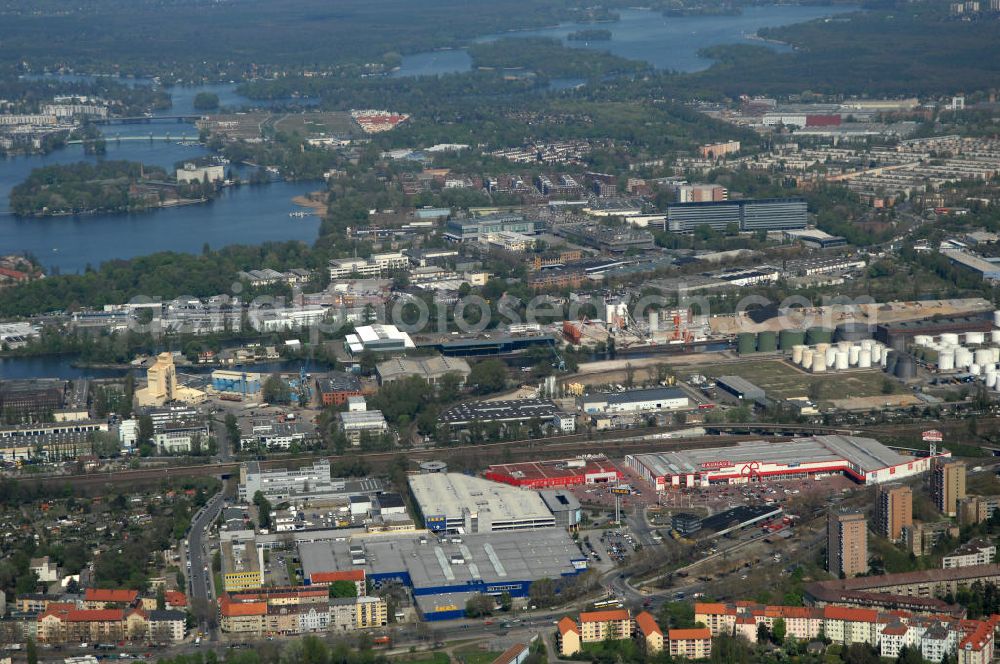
642, 34
245, 215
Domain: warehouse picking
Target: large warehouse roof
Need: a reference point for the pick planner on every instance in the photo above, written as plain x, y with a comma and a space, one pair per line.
489, 558
867, 453
450, 493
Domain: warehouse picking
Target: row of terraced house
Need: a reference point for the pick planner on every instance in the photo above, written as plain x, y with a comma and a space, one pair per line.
936, 636
299, 610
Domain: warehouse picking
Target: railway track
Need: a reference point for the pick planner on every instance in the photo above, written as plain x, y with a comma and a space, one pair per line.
614, 443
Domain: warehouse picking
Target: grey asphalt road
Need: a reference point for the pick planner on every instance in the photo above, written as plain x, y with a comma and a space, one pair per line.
200, 571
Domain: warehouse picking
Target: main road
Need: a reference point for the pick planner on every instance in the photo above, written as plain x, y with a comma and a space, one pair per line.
200, 579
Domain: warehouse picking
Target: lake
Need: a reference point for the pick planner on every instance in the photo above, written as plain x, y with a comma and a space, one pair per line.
244, 215
642, 34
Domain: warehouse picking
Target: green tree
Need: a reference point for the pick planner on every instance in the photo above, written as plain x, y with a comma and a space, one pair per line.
343, 589
32, 652
232, 432
778, 630
488, 376
263, 510
206, 101
276, 390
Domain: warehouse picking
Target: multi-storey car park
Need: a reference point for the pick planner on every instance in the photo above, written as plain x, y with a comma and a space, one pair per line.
589, 469
864, 459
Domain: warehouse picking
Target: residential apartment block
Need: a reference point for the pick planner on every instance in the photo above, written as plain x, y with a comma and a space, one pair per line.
893, 510
614, 624
948, 485
975, 552
971, 641
847, 543
298, 610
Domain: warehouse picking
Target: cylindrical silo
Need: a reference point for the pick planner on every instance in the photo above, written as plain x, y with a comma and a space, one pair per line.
949, 338
821, 335
906, 368
822, 348
922, 340
975, 369
865, 359
840, 361
991, 379
853, 332
946, 360
789, 339
878, 352
996, 319
976, 338
746, 343
889, 360
807, 359
767, 342
995, 336
797, 353
963, 357
831, 356
853, 354
983, 356
995, 352
819, 363
844, 345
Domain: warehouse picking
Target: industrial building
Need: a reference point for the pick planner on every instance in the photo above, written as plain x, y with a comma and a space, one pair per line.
473, 230
740, 390
987, 269
376, 265
378, 339
635, 401
564, 507
444, 572
453, 502
431, 369
863, 459
242, 383
773, 214
589, 469
336, 387
308, 482
509, 411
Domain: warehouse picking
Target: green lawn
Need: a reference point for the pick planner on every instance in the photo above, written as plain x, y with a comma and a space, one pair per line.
473, 655
422, 658
780, 380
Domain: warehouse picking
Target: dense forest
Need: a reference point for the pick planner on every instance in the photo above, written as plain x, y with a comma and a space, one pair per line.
81, 188
153, 37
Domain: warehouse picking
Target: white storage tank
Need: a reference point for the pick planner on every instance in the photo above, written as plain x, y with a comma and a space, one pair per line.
991, 379
819, 363
868, 343
807, 358
831, 356
996, 319
922, 340
797, 353
841, 360
946, 360
995, 336
949, 338
822, 348
963, 357
996, 354
983, 356
975, 369
843, 345
878, 352
974, 338
853, 355
865, 359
